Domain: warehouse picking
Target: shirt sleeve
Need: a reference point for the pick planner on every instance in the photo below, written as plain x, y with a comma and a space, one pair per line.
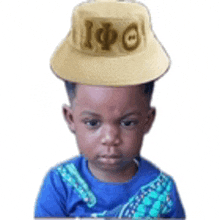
52, 197
177, 210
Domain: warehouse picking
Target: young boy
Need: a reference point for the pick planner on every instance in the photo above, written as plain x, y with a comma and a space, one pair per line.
109, 62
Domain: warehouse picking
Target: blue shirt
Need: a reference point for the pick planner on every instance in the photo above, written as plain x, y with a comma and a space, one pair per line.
70, 190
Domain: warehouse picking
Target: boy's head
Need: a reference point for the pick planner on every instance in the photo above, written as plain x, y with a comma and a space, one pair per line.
109, 123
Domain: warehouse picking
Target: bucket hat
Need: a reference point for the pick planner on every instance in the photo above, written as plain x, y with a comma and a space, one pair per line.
110, 43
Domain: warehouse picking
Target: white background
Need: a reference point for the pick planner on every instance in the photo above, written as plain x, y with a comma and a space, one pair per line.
184, 140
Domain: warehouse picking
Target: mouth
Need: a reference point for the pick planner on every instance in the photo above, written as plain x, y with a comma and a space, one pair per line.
111, 156
110, 159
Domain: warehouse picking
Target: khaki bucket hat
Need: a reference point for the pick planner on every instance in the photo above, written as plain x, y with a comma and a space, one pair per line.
110, 43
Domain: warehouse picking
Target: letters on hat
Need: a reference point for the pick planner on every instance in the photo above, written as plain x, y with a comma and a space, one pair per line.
115, 37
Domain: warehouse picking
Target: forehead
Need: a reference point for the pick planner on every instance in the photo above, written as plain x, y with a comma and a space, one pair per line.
110, 97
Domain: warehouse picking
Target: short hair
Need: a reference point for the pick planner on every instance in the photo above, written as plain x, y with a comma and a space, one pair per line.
71, 90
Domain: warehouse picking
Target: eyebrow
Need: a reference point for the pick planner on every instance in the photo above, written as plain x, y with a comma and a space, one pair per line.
131, 113
89, 113
97, 115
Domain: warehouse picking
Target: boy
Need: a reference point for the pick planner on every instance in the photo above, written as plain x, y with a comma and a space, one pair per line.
109, 62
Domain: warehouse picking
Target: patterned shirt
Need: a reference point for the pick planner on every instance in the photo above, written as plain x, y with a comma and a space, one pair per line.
71, 190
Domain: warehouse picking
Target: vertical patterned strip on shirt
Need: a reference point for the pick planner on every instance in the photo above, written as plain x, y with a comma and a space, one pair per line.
70, 174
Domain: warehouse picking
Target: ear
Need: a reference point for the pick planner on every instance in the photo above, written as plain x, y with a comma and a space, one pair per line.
68, 116
149, 120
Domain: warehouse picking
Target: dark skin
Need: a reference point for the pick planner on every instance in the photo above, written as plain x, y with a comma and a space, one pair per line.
109, 124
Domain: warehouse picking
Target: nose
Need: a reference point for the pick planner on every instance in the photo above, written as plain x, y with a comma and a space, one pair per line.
111, 136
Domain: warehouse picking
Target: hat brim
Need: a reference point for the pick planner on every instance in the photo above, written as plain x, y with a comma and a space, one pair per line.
72, 65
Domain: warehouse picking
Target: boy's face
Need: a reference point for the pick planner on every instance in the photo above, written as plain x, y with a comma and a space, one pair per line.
109, 124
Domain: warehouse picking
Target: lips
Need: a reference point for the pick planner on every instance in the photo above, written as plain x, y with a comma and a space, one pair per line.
110, 159
111, 156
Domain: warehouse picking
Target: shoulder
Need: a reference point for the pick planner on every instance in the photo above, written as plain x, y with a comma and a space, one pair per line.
148, 165
157, 176
162, 190
157, 179
149, 168
54, 179
56, 188
69, 168
53, 176
62, 175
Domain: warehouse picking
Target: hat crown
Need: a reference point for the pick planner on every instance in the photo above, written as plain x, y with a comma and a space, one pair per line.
110, 28
112, 9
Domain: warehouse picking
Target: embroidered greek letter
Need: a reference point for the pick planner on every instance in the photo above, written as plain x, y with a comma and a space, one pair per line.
130, 39
106, 36
88, 25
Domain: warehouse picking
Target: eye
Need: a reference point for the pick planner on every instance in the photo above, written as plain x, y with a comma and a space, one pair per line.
94, 123
129, 123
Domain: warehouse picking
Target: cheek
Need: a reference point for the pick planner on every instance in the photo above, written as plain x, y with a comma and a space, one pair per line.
133, 141
86, 141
